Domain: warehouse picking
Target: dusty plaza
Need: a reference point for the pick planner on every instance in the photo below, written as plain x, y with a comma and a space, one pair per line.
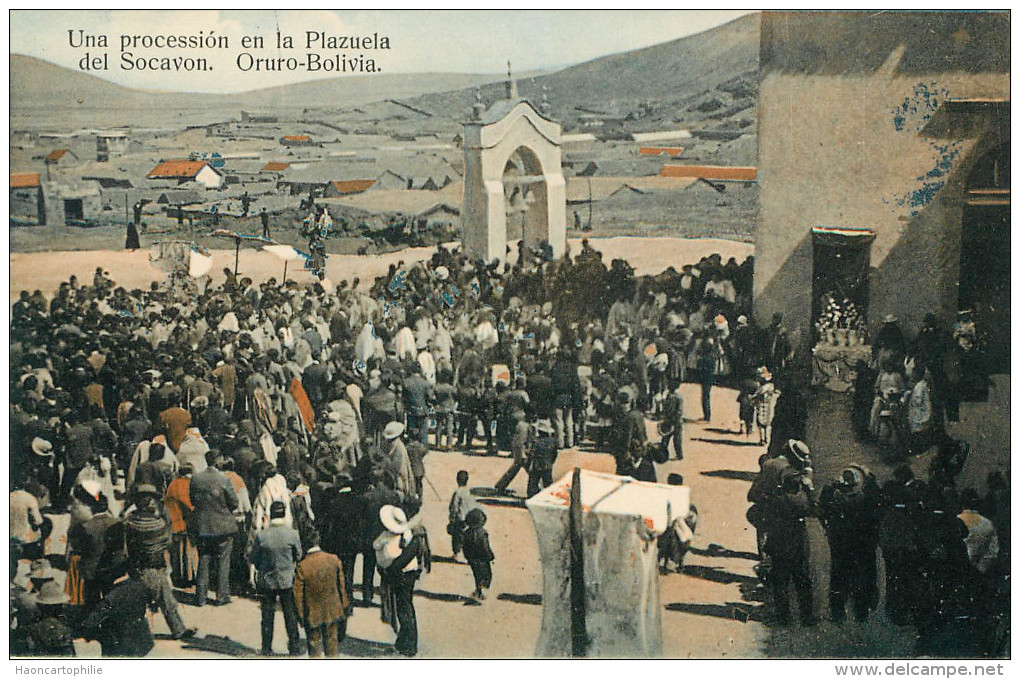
692, 345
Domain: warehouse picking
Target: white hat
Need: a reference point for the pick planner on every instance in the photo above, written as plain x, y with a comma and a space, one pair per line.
200, 402
395, 520
442, 273
799, 449
393, 430
42, 447
92, 488
741, 320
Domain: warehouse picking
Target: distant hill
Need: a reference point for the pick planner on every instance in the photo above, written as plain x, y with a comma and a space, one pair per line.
706, 83
669, 81
47, 93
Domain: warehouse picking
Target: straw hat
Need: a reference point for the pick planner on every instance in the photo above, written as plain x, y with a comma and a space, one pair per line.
395, 520
799, 449
442, 273
52, 594
92, 488
393, 430
42, 447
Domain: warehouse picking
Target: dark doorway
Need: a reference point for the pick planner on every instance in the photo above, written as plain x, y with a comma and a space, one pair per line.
73, 210
984, 257
842, 263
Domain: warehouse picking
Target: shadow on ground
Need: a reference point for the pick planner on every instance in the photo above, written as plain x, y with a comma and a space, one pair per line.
530, 599
713, 574
222, 645
729, 442
732, 474
731, 610
720, 552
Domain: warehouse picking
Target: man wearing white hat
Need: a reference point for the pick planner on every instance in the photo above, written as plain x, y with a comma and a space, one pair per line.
397, 552
399, 462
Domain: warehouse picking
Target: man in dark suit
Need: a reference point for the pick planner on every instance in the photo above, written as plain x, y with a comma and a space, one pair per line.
418, 395
543, 457
275, 556
213, 525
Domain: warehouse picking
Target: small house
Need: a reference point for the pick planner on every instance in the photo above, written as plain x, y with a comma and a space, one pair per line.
390, 181
296, 140
61, 158
27, 203
275, 166
188, 171
347, 188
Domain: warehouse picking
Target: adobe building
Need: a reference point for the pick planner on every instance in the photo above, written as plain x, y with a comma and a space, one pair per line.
893, 128
183, 171
883, 146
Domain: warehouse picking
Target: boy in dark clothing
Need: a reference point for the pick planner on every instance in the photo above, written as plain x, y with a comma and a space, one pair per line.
461, 504
478, 552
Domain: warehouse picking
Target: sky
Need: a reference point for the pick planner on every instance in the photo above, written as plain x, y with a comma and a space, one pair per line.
420, 41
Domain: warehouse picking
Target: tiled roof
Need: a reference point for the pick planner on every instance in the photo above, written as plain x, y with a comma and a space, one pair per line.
177, 168
352, 186
747, 174
274, 166
25, 180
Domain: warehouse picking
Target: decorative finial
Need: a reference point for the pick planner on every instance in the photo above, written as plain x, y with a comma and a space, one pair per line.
511, 84
479, 107
544, 105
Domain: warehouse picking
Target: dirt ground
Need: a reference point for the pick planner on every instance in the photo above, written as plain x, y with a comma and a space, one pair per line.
131, 269
705, 614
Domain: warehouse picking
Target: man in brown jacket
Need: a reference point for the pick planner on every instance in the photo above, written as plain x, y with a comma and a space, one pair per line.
321, 598
174, 423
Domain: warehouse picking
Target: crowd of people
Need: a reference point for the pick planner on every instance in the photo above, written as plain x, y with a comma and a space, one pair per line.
219, 437
945, 549
257, 439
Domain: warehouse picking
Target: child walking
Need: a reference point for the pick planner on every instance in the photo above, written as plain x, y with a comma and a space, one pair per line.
461, 504
478, 552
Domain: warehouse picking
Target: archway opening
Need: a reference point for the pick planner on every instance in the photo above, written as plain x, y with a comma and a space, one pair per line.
526, 198
984, 257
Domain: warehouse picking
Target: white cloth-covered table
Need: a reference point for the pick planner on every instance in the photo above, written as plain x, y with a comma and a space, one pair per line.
621, 519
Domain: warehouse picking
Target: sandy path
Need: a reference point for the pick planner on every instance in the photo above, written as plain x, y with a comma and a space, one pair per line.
46, 270
700, 614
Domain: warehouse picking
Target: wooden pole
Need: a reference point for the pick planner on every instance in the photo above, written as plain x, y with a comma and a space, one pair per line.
285, 271
578, 627
237, 253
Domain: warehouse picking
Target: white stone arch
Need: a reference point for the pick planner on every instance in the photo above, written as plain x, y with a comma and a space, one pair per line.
509, 128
